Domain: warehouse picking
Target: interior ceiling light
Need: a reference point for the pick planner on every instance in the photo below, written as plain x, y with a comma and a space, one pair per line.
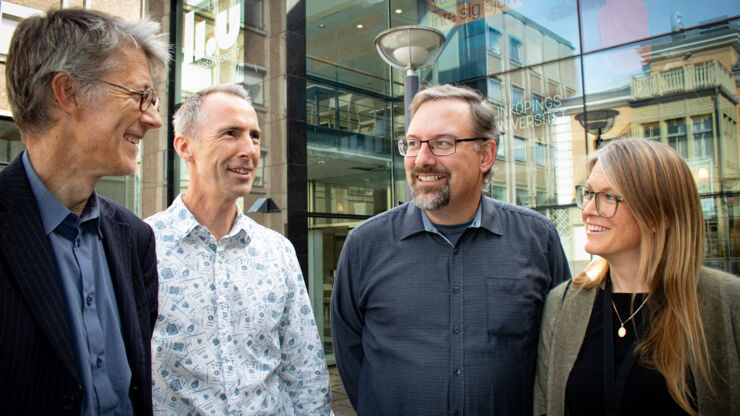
360, 26
322, 25
399, 11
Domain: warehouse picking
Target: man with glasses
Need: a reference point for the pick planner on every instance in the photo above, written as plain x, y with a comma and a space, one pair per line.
78, 272
436, 304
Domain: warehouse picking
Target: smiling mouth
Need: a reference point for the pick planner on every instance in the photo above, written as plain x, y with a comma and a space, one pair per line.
428, 178
596, 228
132, 139
241, 171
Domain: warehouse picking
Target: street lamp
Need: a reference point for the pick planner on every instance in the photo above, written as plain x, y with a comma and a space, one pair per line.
597, 122
409, 48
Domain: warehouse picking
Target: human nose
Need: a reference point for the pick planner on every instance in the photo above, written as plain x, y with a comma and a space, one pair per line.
250, 149
151, 117
425, 156
589, 206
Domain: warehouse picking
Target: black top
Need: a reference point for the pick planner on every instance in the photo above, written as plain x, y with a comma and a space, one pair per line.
644, 391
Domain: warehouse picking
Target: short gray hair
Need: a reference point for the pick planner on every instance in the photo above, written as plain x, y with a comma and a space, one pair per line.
484, 117
82, 42
186, 120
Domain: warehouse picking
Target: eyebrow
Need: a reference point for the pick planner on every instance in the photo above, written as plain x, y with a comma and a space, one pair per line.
608, 188
436, 136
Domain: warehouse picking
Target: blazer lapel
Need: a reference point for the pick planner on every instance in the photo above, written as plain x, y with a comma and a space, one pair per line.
31, 261
118, 254
569, 332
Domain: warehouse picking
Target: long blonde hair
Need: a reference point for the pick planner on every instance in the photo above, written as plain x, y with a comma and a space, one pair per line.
659, 188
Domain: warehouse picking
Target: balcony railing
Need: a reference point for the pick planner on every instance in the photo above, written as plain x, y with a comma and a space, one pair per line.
685, 78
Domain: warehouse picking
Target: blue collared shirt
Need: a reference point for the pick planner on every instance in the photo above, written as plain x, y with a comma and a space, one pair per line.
422, 326
92, 310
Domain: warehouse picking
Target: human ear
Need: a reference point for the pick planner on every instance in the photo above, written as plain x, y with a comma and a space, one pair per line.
488, 155
183, 147
64, 88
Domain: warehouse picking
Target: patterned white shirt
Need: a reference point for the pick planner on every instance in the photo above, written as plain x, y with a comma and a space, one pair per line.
235, 334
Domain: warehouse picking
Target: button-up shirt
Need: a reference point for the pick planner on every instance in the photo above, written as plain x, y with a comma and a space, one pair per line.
422, 326
236, 334
92, 310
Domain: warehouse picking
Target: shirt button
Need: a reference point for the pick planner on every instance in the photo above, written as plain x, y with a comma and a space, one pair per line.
455, 290
458, 372
78, 242
89, 300
99, 362
456, 330
454, 251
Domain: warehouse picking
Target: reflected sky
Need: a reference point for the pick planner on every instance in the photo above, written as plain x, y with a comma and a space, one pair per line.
612, 22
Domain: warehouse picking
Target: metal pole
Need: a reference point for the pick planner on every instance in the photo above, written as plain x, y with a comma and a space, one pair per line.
410, 88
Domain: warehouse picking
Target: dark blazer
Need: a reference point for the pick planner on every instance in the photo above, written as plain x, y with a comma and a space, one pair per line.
38, 369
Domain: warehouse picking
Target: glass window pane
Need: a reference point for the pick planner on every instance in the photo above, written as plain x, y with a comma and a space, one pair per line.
611, 23
540, 154
651, 131
677, 136
253, 13
494, 90
520, 149
514, 50
494, 41
703, 137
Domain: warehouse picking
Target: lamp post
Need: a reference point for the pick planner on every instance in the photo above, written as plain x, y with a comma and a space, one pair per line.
597, 122
409, 48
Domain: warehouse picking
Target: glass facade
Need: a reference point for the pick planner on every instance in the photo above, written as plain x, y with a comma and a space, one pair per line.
563, 77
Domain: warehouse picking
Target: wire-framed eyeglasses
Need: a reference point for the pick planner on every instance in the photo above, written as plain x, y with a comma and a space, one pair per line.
147, 97
606, 203
440, 146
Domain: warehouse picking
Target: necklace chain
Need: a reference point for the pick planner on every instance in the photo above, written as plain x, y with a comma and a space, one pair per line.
622, 331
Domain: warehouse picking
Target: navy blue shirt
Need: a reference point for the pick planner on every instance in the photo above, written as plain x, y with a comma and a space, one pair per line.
422, 326
92, 311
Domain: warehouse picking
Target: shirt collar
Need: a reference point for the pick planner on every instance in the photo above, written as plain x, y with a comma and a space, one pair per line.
486, 217
187, 223
53, 212
430, 227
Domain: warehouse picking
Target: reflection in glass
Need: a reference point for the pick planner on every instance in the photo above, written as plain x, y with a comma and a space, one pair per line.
494, 41
676, 135
614, 22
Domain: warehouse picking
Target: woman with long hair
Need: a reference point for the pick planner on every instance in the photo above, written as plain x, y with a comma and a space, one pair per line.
645, 328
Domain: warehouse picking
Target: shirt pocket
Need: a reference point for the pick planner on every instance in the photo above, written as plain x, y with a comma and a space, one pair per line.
512, 307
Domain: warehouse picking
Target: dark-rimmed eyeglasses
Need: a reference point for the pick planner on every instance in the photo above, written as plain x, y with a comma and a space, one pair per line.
606, 203
147, 97
440, 146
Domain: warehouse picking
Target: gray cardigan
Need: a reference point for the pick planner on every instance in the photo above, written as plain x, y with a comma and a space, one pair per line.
564, 325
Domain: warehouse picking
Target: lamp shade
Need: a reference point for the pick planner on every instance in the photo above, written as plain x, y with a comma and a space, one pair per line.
409, 47
597, 121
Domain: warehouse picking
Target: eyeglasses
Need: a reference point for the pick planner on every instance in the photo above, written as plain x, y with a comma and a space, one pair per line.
440, 146
147, 96
606, 203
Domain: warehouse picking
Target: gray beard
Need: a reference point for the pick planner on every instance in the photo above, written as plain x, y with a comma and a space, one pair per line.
432, 201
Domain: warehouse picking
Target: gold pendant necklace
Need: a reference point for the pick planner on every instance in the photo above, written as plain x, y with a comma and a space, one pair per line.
622, 331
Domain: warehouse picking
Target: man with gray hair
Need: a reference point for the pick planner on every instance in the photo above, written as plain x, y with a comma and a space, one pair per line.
77, 271
236, 334
436, 304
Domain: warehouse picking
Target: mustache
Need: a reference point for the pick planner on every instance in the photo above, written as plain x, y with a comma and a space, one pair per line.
421, 171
